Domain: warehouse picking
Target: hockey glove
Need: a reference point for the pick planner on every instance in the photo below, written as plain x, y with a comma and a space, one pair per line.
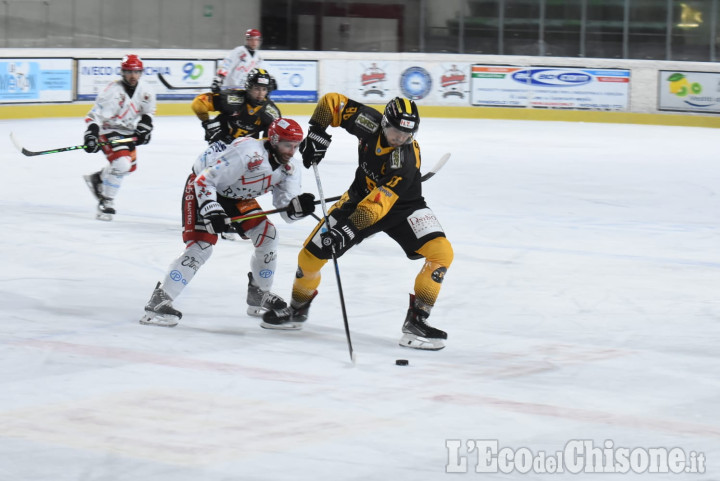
300, 206
143, 130
217, 85
339, 238
213, 130
215, 218
314, 146
92, 139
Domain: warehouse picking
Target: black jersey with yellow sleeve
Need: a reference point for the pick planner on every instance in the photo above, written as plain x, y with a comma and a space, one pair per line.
387, 178
239, 117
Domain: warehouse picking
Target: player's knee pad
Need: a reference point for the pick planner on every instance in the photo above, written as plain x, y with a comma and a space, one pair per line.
437, 251
263, 236
198, 252
120, 166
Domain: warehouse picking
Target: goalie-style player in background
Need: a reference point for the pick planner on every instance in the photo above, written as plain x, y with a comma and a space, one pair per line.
238, 63
385, 196
224, 183
125, 108
241, 112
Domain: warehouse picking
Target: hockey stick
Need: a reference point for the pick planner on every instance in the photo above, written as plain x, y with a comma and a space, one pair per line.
425, 177
337, 269
172, 87
30, 153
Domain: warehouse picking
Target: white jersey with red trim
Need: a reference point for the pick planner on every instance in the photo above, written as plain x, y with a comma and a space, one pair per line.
242, 170
238, 63
115, 111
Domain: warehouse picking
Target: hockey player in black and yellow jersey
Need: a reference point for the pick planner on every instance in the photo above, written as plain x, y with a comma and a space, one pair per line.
241, 113
385, 196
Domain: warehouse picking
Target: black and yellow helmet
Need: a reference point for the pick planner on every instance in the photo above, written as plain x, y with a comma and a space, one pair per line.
402, 114
261, 77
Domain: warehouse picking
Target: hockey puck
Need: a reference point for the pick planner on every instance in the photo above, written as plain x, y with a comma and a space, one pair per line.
401, 362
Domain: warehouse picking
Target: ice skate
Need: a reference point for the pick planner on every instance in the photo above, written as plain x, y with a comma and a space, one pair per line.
259, 301
417, 333
159, 310
94, 183
290, 318
105, 209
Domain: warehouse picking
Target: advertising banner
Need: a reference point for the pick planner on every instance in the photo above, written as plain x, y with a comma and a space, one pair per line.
428, 83
36, 80
95, 74
297, 80
689, 91
550, 87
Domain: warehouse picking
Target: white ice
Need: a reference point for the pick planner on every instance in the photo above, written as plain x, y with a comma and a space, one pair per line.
583, 303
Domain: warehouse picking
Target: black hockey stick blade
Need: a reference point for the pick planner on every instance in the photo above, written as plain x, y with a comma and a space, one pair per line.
172, 87
31, 153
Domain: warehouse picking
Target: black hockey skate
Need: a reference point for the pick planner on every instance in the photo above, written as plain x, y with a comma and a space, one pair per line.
106, 209
94, 183
259, 301
159, 310
417, 333
290, 319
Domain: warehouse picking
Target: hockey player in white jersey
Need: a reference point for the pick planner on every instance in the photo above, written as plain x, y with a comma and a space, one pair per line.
125, 108
224, 183
239, 62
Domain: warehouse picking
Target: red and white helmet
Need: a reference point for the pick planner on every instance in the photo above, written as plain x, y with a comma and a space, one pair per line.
131, 62
253, 33
284, 130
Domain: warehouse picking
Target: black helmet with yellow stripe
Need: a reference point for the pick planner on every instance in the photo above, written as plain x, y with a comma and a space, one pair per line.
402, 114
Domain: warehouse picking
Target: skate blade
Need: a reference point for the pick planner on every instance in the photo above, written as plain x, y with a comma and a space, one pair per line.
157, 320
422, 343
256, 311
104, 217
286, 326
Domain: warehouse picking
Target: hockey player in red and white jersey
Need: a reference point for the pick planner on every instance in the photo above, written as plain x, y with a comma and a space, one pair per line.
224, 183
239, 62
125, 108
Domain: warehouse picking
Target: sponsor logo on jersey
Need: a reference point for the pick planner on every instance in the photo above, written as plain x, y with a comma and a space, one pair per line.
385, 191
255, 162
395, 159
366, 123
266, 273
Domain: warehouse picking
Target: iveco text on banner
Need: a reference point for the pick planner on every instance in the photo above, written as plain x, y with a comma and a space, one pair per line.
550, 87
94, 75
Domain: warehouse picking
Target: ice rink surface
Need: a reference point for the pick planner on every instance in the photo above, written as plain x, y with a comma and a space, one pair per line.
583, 305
